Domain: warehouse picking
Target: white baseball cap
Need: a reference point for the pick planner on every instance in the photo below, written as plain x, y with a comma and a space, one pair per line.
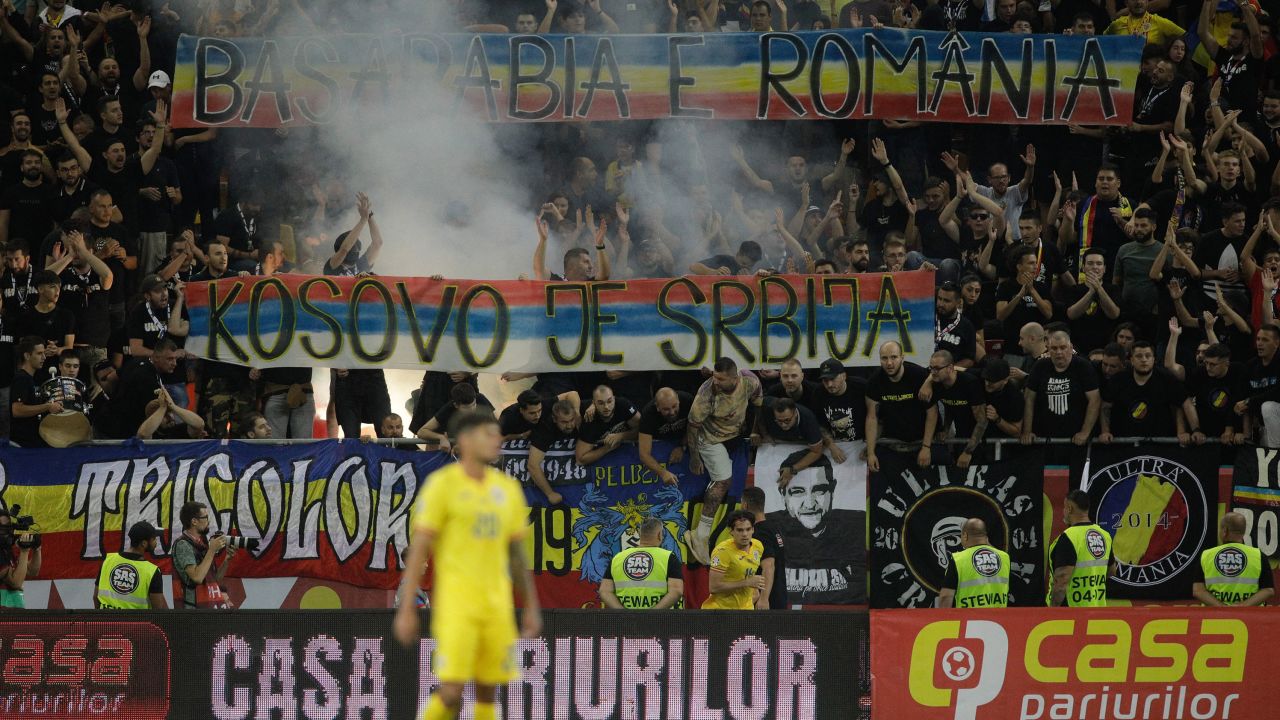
159, 79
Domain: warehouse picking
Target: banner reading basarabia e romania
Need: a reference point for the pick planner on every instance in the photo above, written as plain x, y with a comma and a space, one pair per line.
496, 326
1150, 663
885, 73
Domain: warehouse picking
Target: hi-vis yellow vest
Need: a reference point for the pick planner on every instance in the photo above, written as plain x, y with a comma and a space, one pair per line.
982, 574
1088, 585
1231, 572
639, 576
123, 584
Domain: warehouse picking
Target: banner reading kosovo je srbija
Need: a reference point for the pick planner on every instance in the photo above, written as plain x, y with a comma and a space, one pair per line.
1159, 503
883, 73
916, 518
531, 326
335, 510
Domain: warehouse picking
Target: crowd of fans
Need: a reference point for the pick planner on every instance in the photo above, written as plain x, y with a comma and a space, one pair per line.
1092, 282
1104, 282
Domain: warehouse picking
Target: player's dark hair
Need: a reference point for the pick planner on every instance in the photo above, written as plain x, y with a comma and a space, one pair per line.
468, 421
738, 515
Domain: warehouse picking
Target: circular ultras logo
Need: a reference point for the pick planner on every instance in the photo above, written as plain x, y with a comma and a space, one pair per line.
1155, 510
638, 565
1097, 544
931, 530
958, 664
1229, 561
986, 562
124, 579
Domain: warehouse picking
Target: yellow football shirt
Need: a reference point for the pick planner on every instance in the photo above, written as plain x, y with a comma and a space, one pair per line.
473, 523
736, 565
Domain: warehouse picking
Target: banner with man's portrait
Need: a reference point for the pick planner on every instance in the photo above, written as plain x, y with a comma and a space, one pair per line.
822, 514
917, 514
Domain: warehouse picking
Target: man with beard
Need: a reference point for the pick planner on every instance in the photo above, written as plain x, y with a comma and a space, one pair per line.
194, 559
15, 285
841, 407
560, 434
895, 409
114, 169
1147, 402
665, 418
184, 261
71, 193
1240, 62
127, 580
154, 319
26, 209
963, 402
952, 331
109, 85
820, 567
609, 422
159, 194
11, 155
1022, 299
855, 255
1139, 297
1100, 219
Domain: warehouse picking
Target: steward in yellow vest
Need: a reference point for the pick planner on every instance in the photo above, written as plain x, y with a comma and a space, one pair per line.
978, 576
1080, 559
646, 577
1232, 573
127, 581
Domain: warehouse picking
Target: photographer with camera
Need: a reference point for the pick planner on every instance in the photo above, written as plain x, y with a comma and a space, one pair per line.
194, 554
20, 555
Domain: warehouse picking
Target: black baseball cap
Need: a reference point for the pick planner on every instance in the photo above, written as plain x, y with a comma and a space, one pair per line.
142, 532
830, 368
995, 370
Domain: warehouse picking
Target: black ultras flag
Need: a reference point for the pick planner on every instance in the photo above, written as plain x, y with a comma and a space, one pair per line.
1159, 503
916, 516
1256, 495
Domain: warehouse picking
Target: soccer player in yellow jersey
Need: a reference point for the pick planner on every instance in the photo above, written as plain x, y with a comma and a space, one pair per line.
472, 518
734, 579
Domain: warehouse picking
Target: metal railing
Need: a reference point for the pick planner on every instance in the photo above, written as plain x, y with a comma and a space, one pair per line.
997, 444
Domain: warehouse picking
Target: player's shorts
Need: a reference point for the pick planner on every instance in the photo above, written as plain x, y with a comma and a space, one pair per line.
471, 648
716, 460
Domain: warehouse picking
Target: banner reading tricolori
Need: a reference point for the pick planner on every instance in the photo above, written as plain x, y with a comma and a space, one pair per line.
332, 510
883, 73
532, 326
1097, 663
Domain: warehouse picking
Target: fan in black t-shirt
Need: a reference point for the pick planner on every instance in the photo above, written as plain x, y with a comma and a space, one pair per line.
1062, 395
952, 331
1144, 402
609, 422
1216, 387
518, 421
841, 406
666, 418
963, 402
558, 433
894, 408
783, 421
463, 398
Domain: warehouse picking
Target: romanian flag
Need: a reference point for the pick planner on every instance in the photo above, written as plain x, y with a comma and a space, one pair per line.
1147, 517
1228, 12
1087, 218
